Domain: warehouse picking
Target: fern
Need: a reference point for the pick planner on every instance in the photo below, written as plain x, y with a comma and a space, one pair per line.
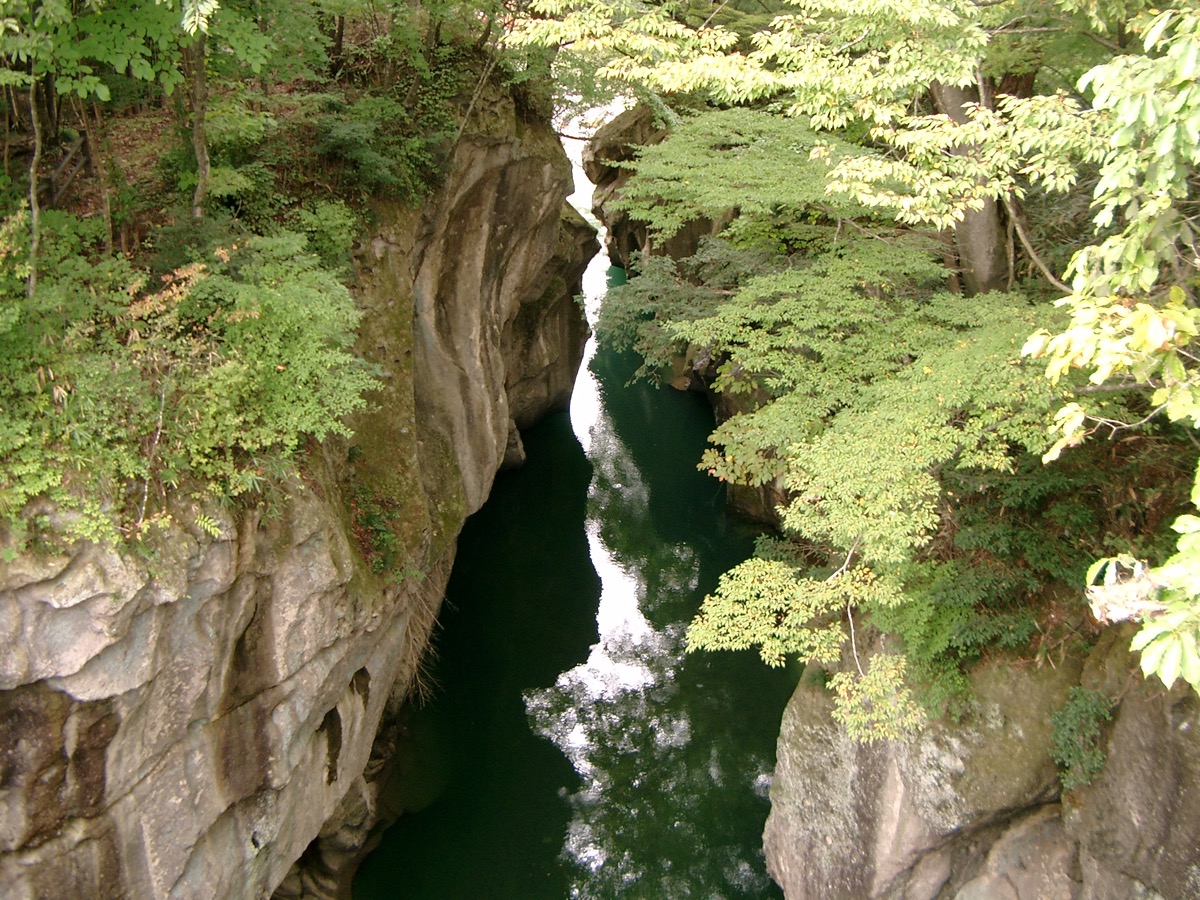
215, 377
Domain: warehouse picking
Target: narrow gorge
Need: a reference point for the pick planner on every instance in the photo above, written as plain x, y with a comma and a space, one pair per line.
971, 808
369, 529
193, 722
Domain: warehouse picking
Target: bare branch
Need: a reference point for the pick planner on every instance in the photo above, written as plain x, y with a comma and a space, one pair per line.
858, 40
1103, 42
853, 642
711, 15
1015, 217
849, 559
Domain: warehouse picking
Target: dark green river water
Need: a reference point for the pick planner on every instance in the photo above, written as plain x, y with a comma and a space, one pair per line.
571, 748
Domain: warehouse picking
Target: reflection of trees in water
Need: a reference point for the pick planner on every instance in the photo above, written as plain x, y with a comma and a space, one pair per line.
653, 817
669, 793
617, 504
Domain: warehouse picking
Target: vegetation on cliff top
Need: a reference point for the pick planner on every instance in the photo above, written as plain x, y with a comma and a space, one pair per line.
180, 191
919, 189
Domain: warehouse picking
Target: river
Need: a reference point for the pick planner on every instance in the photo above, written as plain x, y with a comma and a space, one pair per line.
572, 749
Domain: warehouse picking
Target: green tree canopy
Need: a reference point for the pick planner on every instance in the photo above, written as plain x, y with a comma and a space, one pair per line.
889, 411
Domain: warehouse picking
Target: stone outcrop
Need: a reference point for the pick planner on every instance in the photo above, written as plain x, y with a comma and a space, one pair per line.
189, 722
616, 142
973, 810
1137, 825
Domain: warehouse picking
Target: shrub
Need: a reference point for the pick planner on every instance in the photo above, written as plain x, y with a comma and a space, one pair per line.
212, 378
330, 227
1077, 726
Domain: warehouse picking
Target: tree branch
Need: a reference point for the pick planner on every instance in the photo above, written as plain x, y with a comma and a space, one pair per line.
858, 40
1015, 217
1115, 388
849, 559
853, 642
724, 3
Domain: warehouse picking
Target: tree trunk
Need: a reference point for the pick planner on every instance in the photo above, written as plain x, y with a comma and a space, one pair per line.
50, 110
980, 239
35, 207
199, 61
94, 135
338, 48
9, 122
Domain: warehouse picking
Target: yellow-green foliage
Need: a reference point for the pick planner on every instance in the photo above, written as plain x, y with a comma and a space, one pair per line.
117, 391
769, 602
876, 705
718, 160
1133, 322
885, 412
907, 433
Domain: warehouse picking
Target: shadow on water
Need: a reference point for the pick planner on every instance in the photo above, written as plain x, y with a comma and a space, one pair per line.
572, 749
519, 609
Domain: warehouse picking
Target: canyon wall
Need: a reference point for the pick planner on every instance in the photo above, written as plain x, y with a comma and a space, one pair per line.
973, 809
192, 719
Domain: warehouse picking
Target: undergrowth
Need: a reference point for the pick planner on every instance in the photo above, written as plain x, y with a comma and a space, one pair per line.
118, 389
195, 366
1077, 730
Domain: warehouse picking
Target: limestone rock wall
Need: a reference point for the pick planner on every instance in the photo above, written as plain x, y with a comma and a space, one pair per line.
973, 810
189, 722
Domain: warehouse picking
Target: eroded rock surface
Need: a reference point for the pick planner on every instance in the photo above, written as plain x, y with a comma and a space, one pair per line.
188, 724
973, 810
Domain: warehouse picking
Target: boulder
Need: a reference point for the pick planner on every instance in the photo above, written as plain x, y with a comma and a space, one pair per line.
1138, 822
971, 810
909, 819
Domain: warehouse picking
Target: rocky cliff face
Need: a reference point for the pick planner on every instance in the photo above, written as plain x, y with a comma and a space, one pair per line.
972, 810
190, 722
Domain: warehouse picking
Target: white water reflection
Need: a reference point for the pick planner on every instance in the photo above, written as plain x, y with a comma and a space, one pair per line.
618, 662
617, 716
615, 663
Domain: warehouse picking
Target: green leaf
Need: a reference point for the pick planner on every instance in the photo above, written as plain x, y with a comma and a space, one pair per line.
1190, 659
1150, 631
1155, 32
1096, 568
1169, 665
1186, 524
1152, 656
